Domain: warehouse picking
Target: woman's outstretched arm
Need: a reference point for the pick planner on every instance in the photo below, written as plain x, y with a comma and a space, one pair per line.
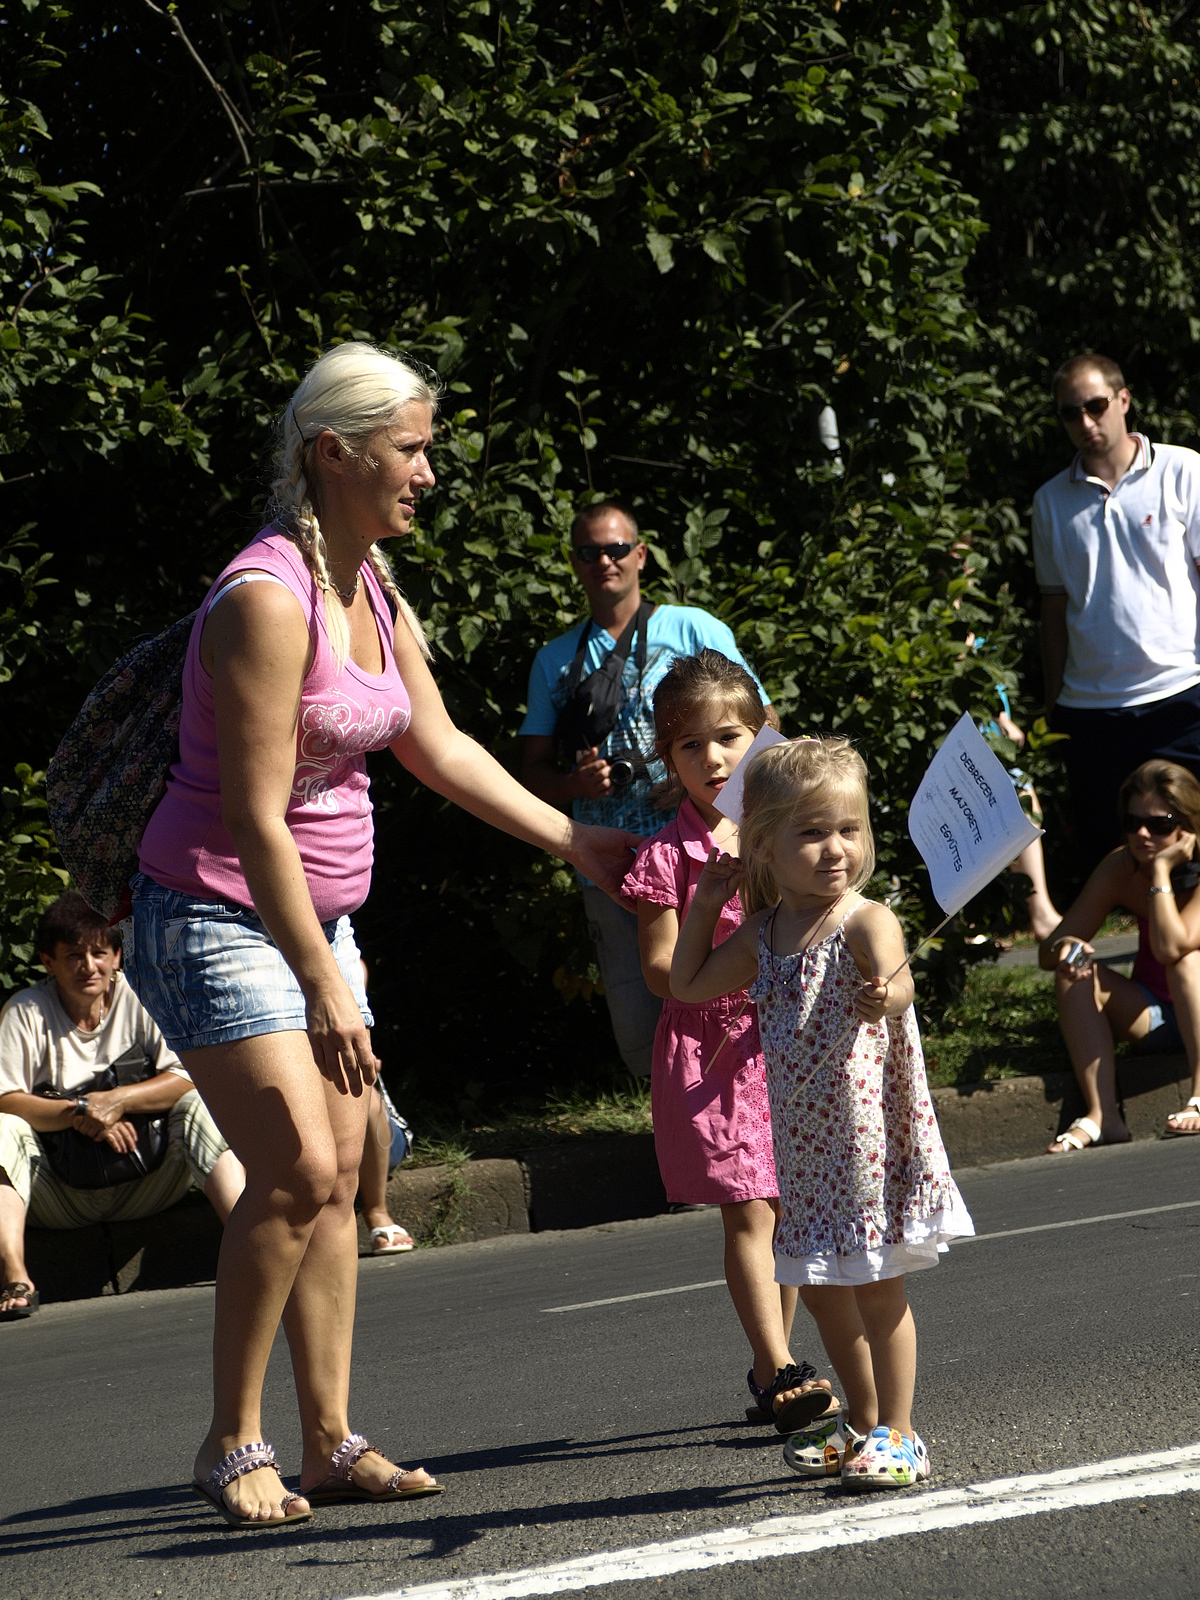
451, 763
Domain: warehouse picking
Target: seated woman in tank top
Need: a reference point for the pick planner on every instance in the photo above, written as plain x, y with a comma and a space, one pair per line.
1159, 1004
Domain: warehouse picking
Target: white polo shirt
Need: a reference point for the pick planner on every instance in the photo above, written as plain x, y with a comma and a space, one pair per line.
1126, 560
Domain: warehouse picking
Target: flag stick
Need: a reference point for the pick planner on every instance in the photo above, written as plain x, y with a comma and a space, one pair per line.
858, 1021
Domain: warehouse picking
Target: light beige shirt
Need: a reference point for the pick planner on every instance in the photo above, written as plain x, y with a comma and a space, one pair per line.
40, 1045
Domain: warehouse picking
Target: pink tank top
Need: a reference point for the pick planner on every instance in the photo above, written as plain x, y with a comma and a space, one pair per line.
343, 714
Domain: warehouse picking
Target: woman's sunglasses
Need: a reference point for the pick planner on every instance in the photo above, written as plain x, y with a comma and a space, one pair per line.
591, 553
1094, 408
1160, 827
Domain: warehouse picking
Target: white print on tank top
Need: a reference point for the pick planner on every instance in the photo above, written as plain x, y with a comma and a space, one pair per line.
333, 733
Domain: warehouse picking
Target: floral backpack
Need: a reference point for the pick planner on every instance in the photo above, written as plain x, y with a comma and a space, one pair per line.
110, 771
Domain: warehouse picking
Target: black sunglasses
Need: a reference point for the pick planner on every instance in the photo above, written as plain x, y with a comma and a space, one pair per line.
1160, 827
1095, 407
591, 553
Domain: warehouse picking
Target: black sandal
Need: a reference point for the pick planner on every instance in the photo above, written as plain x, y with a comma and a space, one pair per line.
797, 1413
13, 1291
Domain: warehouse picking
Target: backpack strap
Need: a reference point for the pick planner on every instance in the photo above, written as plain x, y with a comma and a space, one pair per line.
240, 578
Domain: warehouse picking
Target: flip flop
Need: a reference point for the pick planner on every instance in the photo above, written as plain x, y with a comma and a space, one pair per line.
246, 1458
337, 1486
18, 1313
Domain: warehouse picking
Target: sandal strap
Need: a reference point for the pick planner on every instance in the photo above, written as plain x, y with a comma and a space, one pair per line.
393, 1482
351, 1449
1072, 1140
1193, 1104
789, 1377
246, 1458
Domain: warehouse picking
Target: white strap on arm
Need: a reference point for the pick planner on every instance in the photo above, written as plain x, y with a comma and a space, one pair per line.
240, 578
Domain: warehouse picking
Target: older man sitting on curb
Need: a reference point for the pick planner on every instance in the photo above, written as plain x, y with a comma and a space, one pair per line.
80, 1024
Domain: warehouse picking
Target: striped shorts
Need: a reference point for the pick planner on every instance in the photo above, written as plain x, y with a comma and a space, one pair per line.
194, 1144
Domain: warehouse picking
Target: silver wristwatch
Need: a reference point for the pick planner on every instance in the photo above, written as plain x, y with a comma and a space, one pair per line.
81, 1106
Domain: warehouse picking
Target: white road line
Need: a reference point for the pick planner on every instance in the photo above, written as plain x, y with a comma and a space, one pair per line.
978, 1238
646, 1294
1081, 1222
1165, 1472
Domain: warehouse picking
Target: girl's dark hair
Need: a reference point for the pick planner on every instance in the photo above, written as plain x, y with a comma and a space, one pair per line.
695, 681
1174, 786
70, 920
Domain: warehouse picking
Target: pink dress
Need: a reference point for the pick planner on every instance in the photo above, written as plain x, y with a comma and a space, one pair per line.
712, 1122
864, 1181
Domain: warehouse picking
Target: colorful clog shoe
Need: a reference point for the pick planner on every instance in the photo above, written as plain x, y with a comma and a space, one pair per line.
886, 1461
819, 1452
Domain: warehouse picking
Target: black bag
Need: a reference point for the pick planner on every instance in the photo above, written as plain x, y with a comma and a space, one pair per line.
85, 1163
592, 706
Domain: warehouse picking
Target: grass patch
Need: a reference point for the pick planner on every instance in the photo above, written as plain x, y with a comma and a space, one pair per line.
1005, 1026
577, 1114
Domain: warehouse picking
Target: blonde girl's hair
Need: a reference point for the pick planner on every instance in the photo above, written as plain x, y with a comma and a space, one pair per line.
784, 780
1174, 786
352, 391
693, 682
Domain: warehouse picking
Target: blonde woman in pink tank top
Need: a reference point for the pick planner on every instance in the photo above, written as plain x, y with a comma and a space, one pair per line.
240, 943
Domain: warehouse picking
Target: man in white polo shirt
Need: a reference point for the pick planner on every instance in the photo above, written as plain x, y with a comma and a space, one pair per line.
1116, 539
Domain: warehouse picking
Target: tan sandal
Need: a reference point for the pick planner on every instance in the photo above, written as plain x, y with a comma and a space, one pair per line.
338, 1485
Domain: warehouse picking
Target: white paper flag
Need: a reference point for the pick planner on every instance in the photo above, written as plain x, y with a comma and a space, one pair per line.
729, 801
966, 819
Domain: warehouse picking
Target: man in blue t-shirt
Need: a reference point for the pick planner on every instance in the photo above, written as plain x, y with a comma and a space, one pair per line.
614, 782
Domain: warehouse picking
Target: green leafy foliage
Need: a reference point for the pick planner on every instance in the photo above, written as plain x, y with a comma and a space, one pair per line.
648, 250
30, 872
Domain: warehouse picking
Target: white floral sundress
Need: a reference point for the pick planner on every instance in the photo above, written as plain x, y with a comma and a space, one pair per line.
864, 1182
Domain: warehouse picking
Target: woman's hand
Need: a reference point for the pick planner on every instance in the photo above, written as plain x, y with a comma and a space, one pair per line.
340, 1039
1075, 972
1175, 854
604, 855
871, 1001
720, 880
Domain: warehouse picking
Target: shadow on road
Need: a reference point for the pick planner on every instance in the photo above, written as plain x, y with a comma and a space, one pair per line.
169, 1524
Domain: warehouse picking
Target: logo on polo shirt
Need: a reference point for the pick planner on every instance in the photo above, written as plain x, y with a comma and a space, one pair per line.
1147, 522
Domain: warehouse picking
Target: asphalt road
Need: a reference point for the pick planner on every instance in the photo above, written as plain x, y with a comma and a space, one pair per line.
563, 1433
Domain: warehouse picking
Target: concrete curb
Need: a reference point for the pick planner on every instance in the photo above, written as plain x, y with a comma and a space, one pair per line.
574, 1185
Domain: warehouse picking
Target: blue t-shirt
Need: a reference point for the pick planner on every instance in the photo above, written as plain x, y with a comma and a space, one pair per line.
673, 631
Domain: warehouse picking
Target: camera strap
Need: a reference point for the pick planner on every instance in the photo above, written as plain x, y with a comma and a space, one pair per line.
592, 704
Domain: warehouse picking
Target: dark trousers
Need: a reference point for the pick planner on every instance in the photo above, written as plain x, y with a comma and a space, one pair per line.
1104, 747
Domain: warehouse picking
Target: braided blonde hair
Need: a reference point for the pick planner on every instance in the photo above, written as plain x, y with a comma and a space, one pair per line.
352, 391
779, 781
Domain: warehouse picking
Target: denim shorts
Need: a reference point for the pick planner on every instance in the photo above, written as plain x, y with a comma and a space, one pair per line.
1164, 1030
208, 971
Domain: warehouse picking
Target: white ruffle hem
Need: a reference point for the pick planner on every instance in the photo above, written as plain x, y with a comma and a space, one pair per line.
925, 1238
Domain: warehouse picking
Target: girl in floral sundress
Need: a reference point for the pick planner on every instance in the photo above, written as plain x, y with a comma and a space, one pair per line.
864, 1184
712, 1125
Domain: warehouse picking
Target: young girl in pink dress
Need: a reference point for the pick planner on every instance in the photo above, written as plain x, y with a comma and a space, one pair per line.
712, 1123
865, 1187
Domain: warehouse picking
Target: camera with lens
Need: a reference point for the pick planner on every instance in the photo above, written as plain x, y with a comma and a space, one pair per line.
626, 764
